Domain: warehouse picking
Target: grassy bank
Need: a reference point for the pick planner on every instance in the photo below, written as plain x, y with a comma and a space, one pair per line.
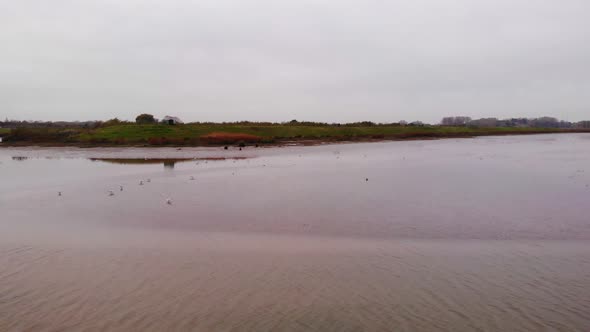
214, 134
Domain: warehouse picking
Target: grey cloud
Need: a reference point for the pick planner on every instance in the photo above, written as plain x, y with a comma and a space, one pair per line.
276, 60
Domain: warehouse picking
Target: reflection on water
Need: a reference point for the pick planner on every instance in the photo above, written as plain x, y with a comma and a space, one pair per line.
169, 163
486, 234
145, 161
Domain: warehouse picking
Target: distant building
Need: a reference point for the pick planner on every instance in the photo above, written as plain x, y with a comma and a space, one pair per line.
171, 120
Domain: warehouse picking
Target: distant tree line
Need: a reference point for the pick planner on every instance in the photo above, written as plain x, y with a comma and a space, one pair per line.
49, 124
542, 122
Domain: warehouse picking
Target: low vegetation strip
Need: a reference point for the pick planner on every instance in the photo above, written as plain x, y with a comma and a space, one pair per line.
215, 134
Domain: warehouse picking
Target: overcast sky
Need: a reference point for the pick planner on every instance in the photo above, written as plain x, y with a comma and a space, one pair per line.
320, 60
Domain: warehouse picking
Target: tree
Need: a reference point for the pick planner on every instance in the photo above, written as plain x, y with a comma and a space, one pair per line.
145, 119
545, 122
111, 122
484, 122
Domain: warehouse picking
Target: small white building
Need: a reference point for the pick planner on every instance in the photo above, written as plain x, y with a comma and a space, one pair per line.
171, 120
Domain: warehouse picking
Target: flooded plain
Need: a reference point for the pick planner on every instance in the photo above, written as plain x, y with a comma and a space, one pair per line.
485, 234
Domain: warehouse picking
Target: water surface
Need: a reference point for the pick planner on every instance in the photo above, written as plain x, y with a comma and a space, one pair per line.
486, 234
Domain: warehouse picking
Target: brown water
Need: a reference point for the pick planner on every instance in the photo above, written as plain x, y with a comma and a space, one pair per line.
489, 234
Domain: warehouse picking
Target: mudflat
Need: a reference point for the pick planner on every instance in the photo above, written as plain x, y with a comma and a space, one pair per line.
490, 233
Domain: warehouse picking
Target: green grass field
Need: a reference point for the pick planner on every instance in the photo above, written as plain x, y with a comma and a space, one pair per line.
138, 133
195, 134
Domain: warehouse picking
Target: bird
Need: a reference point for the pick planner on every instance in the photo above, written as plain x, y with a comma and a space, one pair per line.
366, 179
192, 178
141, 183
149, 180
111, 193
169, 201
121, 188
59, 193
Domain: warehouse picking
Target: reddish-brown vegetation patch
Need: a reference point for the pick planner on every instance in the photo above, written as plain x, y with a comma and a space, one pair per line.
171, 141
229, 138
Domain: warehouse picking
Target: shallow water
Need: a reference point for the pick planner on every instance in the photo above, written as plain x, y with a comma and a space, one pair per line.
486, 234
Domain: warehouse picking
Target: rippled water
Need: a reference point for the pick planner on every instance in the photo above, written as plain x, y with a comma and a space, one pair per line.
487, 234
